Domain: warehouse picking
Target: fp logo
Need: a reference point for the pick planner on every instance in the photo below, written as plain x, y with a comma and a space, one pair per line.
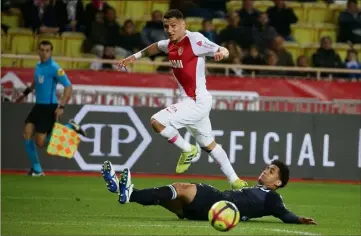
114, 133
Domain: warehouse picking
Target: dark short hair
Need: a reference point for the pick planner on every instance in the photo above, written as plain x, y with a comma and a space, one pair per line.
173, 13
206, 21
46, 43
284, 172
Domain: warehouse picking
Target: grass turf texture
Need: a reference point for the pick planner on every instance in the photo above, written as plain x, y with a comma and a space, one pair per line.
66, 205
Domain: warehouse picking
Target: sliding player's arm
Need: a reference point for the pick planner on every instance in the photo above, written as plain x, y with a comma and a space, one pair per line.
276, 207
152, 49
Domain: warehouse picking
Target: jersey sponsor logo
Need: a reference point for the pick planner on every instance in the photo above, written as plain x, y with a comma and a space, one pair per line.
61, 72
208, 45
176, 63
40, 79
180, 51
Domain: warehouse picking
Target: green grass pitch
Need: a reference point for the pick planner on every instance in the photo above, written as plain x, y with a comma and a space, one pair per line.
79, 205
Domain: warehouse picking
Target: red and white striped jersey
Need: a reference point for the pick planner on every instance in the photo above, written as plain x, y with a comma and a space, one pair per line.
187, 59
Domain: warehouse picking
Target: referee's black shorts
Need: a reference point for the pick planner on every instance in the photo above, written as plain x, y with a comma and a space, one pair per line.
43, 117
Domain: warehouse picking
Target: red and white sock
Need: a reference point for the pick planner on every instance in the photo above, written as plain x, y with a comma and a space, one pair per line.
175, 138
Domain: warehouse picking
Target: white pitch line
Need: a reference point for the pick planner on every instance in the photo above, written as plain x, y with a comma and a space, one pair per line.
161, 226
291, 231
87, 198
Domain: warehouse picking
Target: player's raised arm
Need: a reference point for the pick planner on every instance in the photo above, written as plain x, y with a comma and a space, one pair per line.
146, 52
204, 47
277, 208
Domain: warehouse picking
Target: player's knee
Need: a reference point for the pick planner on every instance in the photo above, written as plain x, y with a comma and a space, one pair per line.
182, 188
40, 143
208, 148
27, 135
158, 127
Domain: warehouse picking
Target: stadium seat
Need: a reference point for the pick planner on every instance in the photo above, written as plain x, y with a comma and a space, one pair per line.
30, 63
117, 5
3, 41
10, 20
263, 5
358, 49
160, 5
20, 40
55, 40
298, 9
309, 50
326, 30
317, 12
85, 65
234, 5
143, 68
140, 23
219, 24
9, 62
136, 9
304, 33
294, 48
341, 49
72, 46
335, 10
194, 23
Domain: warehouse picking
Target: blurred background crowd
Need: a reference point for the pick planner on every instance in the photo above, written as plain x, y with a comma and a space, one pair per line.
302, 33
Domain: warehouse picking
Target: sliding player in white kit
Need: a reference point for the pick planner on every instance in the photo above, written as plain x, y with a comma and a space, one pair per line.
186, 52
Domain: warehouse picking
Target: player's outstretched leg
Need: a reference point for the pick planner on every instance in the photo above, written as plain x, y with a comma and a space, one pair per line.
125, 186
110, 177
164, 195
188, 151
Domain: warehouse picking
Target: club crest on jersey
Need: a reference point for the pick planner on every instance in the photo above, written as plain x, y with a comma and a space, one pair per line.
176, 63
40, 79
180, 51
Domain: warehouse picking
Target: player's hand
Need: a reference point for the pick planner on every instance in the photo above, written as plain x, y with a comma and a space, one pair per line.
20, 98
221, 53
307, 221
58, 112
123, 62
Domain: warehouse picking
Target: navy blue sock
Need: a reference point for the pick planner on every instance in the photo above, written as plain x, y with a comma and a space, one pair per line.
153, 196
32, 155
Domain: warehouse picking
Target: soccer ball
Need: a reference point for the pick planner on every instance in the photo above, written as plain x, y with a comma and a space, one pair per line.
223, 215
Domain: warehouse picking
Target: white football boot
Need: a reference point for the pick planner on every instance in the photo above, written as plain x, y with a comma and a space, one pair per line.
110, 178
125, 186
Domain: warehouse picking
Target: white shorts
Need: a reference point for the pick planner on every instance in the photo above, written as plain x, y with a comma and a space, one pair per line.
192, 115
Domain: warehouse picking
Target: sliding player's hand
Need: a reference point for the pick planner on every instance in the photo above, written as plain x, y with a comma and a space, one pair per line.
307, 221
124, 62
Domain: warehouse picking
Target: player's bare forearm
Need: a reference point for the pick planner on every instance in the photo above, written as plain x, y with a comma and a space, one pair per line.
66, 95
146, 52
150, 50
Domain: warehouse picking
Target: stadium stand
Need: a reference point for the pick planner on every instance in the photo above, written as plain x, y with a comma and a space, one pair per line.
315, 20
